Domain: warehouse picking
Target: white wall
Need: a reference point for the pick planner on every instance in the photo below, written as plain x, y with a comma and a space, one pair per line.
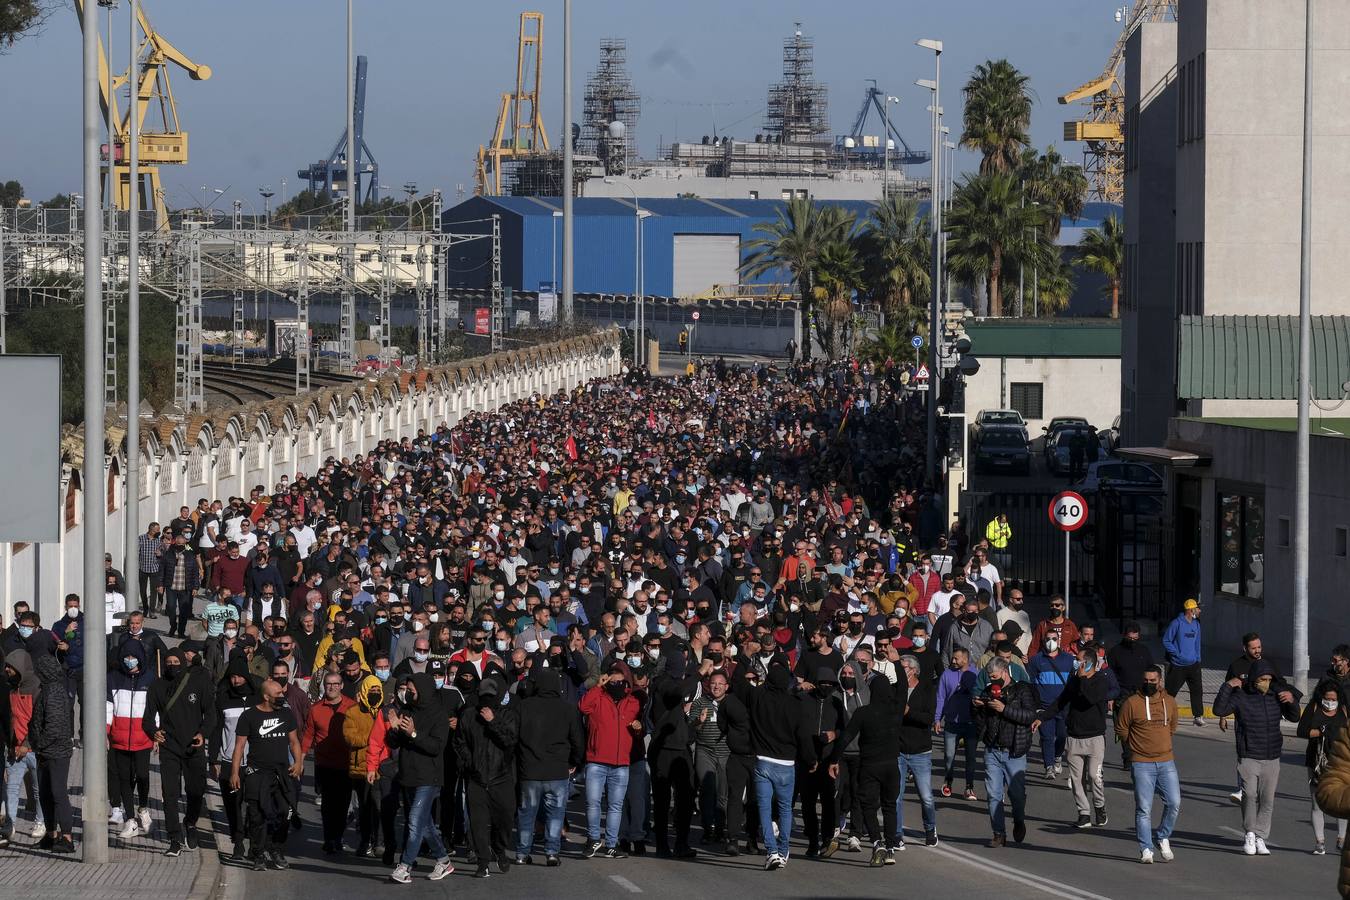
230, 450
1072, 387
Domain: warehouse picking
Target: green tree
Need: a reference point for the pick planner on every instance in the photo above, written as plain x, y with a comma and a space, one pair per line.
895, 249
1057, 186
1054, 282
20, 17
793, 243
989, 228
1102, 250
891, 344
839, 274
60, 201
11, 192
997, 115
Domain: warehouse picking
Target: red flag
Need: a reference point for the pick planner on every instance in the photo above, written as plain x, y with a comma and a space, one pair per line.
534, 450
570, 446
651, 420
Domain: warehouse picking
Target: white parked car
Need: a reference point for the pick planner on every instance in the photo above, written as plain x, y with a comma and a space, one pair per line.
1120, 475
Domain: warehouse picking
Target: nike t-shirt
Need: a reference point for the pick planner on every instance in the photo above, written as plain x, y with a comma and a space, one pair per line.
268, 734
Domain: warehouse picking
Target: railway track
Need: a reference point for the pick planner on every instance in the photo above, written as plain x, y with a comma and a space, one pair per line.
247, 383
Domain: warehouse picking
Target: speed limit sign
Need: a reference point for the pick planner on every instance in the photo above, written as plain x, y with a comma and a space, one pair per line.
1068, 510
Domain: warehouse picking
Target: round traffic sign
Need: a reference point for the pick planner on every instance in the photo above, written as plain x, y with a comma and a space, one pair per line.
1068, 511
916, 342
694, 315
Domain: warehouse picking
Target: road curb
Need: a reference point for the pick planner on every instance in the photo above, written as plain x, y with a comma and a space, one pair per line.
207, 885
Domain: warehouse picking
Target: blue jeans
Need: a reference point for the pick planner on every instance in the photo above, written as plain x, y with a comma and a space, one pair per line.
420, 826
613, 782
774, 785
554, 797
1003, 771
14, 786
1148, 778
1054, 735
921, 764
950, 735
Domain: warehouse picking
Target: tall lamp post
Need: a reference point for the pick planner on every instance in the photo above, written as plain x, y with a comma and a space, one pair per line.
132, 508
935, 217
1302, 473
886, 144
639, 320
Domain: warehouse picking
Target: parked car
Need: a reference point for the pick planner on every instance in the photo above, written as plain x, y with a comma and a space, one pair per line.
1120, 475
1003, 448
1059, 447
997, 418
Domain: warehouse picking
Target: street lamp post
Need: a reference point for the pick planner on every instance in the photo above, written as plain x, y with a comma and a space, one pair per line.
639, 320
1302, 465
553, 249
567, 165
886, 144
131, 519
410, 188
936, 218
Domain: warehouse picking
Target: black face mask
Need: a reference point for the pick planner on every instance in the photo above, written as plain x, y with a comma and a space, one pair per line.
855, 628
848, 682
970, 618
616, 690
171, 672
1149, 690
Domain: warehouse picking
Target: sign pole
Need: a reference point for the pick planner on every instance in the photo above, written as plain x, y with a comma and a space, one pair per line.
1066, 574
1068, 512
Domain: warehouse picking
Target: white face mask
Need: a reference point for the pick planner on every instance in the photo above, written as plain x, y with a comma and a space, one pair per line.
1051, 646
1330, 705
231, 633
72, 612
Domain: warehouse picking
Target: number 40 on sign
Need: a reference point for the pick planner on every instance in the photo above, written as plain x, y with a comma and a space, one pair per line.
1068, 512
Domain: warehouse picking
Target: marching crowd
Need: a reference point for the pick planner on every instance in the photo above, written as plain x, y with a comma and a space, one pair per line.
721, 597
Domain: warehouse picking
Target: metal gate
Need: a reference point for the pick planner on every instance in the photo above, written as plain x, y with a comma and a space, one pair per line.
1036, 550
1134, 536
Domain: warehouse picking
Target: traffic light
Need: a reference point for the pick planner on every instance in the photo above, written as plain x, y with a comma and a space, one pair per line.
966, 363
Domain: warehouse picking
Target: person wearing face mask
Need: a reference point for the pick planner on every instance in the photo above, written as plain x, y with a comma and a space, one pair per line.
1083, 703
1004, 712
876, 728
296, 699
237, 690
1058, 623
1013, 611
69, 633
552, 745
415, 630
925, 582
322, 733
49, 737
823, 712
128, 744
1050, 671
485, 744
781, 739
1321, 724
1257, 705
1146, 721
971, 631
179, 713
357, 725
1128, 661
614, 723
22, 689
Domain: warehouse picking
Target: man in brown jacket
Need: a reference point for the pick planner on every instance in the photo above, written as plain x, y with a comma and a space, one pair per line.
1145, 722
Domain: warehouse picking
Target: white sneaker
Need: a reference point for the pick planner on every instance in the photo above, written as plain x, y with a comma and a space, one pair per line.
143, 818
1165, 850
854, 845
441, 869
1249, 844
402, 874
1146, 857
130, 829
773, 862
1261, 848
39, 830
115, 817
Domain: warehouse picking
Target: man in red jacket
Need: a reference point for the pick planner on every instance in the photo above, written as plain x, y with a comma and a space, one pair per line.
229, 572
926, 582
323, 733
613, 723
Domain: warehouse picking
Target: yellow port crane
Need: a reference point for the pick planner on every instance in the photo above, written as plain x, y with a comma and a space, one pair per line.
164, 142
520, 108
1103, 128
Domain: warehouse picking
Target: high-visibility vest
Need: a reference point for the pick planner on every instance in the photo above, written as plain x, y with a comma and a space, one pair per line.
998, 534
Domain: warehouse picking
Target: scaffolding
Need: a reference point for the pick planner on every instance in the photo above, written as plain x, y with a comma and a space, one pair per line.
610, 98
798, 105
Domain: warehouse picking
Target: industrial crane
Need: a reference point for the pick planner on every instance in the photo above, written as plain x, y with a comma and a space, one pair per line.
164, 144
1103, 128
521, 108
331, 171
901, 153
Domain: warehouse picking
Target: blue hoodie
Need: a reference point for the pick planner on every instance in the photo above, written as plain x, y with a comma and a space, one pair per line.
1050, 674
954, 695
1181, 640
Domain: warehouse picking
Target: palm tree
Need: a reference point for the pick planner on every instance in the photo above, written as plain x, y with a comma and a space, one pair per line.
990, 228
1058, 186
794, 242
1055, 280
890, 344
838, 274
1103, 250
997, 115
895, 249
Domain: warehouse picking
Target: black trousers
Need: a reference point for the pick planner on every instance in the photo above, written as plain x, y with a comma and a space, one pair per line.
232, 800
335, 787
75, 691
740, 789
263, 835
368, 810
879, 784
129, 779
817, 787
149, 581
492, 818
53, 795
389, 794
451, 812
676, 783
1190, 677
177, 773
849, 802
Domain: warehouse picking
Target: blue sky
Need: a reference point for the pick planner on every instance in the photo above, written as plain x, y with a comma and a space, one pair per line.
438, 67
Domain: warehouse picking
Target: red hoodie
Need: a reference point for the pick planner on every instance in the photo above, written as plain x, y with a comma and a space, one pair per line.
323, 734
609, 735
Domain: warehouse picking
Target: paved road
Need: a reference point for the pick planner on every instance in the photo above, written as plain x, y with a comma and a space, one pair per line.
1057, 860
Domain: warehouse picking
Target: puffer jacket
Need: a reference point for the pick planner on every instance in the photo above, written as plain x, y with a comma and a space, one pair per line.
1258, 714
358, 723
127, 692
1009, 730
1333, 795
49, 730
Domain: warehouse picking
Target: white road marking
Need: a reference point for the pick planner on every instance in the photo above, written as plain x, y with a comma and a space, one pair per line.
625, 884
1003, 870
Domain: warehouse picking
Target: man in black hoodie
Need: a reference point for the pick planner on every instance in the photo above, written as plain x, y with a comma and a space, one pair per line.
486, 742
418, 729
877, 728
236, 692
780, 737
823, 710
551, 747
179, 712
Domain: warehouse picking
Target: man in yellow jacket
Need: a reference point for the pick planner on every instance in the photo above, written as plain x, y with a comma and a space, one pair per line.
999, 534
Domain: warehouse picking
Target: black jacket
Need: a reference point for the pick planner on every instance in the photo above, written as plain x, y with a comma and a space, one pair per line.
916, 727
1129, 660
777, 727
1258, 714
421, 760
49, 730
876, 725
1010, 729
735, 724
672, 736
551, 740
1085, 699
487, 750
192, 713
822, 714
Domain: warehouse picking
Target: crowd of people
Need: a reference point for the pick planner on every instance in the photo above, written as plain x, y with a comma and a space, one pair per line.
723, 597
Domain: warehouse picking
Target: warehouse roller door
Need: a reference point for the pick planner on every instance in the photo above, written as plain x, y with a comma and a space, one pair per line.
703, 260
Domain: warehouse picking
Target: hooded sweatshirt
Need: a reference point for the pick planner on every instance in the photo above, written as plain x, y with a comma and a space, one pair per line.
358, 723
127, 691
1258, 714
49, 730
823, 711
487, 750
876, 726
180, 714
779, 732
551, 739
420, 760
1147, 724
21, 697
853, 700
231, 702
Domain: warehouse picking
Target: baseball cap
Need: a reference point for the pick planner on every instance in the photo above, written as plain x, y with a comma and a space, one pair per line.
1191, 603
